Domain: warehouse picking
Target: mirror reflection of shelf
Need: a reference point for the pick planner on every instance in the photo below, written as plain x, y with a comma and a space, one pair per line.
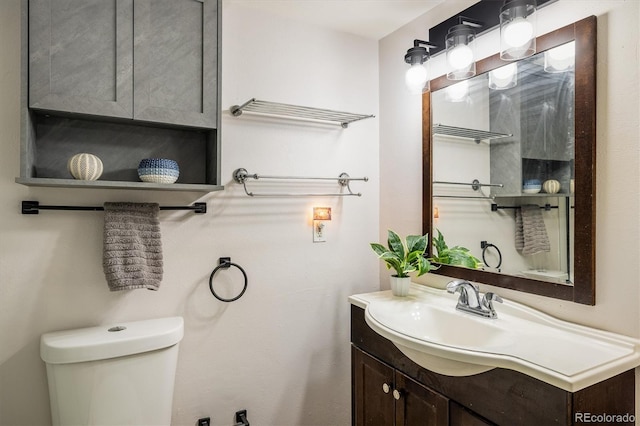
538, 195
473, 134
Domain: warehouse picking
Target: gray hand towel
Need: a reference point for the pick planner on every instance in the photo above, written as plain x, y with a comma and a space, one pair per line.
132, 256
531, 234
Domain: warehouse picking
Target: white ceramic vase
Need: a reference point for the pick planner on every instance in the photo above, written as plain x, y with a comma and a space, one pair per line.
400, 286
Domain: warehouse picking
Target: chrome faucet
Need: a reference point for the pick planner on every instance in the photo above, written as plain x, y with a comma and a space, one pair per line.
470, 300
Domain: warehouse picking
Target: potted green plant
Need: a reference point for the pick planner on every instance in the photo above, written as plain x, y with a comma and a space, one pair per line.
404, 257
458, 255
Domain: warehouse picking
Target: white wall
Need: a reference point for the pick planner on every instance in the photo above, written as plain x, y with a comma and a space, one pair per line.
282, 350
618, 159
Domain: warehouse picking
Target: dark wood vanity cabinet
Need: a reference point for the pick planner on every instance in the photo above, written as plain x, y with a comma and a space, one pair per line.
496, 397
386, 396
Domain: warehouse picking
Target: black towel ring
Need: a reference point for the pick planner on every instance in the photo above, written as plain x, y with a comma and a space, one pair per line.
225, 263
485, 245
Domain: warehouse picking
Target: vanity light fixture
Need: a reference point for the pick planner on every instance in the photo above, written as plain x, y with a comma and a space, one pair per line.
460, 45
504, 77
417, 77
517, 29
515, 18
320, 214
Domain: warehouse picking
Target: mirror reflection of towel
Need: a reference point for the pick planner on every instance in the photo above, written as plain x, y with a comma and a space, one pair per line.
531, 234
132, 256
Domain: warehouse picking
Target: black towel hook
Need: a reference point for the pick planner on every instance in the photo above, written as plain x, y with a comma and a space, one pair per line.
225, 263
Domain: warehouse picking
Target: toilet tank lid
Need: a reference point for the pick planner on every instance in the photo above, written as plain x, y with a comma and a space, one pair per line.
110, 341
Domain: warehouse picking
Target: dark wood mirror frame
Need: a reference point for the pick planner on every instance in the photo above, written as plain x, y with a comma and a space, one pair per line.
583, 289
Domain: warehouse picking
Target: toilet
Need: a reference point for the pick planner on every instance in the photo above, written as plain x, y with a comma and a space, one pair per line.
122, 374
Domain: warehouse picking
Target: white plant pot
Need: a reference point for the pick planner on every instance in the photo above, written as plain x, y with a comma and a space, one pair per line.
400, 286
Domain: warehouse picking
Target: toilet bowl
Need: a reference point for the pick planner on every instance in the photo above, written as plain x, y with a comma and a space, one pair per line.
113, 375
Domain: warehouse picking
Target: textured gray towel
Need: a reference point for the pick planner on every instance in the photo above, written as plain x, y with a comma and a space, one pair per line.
132, 256
531, 234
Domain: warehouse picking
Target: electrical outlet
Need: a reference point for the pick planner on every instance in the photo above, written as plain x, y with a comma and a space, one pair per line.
319, 232
205, 421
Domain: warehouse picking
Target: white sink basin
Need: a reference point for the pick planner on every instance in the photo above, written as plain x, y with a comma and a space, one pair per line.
427, 328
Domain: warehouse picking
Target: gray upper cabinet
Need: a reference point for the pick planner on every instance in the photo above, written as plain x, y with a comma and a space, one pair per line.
123, 80
175, 61
150, 60
81, 56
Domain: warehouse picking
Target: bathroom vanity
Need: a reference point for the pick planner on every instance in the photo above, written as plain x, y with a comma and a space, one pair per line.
389, 388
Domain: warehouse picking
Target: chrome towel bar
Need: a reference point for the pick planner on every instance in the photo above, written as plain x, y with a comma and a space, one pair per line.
241, 175
475, 185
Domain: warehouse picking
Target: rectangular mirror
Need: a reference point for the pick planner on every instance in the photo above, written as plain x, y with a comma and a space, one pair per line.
509, 167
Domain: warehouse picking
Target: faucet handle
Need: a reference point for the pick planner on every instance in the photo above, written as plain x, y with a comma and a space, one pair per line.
487, 302
452, 286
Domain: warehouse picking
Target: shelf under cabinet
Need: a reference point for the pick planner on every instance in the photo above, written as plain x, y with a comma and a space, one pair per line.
111, 184
121, 146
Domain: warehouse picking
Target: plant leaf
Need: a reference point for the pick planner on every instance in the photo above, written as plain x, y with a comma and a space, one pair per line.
417, 243
395, 244
424, 266
379, 248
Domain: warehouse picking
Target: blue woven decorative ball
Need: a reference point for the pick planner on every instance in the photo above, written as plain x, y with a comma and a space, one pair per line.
158, 170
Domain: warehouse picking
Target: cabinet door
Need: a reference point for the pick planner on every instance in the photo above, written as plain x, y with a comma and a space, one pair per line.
175, 45
418, 405
372, 401
460, 416
81, 56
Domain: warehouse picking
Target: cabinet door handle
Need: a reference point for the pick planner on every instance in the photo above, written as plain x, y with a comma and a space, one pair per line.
396, 394
386, 388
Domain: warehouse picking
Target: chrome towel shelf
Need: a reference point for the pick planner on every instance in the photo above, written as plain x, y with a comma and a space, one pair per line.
296, 111
241, 175
461, 132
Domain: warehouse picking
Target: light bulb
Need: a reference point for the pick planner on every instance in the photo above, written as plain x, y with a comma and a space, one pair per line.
560, 58
458, 92
504, 77
518, 32
416, 78
460, 57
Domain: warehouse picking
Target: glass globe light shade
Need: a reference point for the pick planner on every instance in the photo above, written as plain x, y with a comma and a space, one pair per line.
458, 92
504, 77
559, 59
460, 56
416, 78
518, 32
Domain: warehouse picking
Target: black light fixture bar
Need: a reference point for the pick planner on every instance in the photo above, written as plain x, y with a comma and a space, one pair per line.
485, 11
34, 207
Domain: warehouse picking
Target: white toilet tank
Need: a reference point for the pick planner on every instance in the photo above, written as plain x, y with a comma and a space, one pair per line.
121, 374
